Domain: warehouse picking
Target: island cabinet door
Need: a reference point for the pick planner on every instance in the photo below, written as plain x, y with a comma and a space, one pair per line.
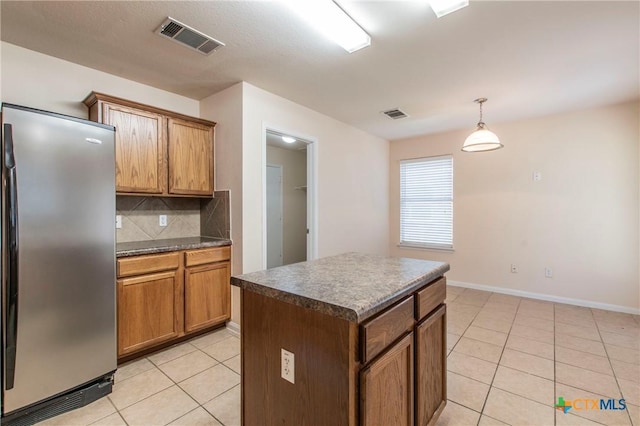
431, 358
386, 387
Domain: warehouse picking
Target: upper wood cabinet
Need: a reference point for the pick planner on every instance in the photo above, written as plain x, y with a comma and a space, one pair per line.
158, 152
191, 158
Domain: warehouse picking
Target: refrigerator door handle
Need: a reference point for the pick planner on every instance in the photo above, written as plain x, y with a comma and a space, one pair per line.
11, 270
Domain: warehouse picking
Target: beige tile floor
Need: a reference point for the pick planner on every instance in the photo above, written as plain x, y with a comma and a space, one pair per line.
193, 383
509, 360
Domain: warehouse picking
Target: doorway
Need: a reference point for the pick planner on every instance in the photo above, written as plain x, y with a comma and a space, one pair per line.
274, 216
287, 199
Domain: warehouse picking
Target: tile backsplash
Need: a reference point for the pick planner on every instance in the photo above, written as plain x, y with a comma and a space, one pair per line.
186, 217
140, 218
215, 216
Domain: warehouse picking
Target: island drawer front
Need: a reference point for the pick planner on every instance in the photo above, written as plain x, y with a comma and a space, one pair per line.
380, 332
138, 265
430, 297
209, 255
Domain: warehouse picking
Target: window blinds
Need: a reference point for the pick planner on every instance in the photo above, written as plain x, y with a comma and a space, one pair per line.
426, 202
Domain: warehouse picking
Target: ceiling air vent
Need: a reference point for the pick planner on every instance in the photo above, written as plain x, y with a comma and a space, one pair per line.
187, 36
395, 114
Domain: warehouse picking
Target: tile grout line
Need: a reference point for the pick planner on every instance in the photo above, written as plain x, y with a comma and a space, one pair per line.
156, 366
498, 364
611, 365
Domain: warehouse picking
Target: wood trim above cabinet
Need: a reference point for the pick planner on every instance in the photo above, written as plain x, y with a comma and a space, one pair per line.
94, 97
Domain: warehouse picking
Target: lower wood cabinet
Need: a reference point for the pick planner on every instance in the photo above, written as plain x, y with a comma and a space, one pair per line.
147, 310
431, 366
207, 297
166, 296
386, 387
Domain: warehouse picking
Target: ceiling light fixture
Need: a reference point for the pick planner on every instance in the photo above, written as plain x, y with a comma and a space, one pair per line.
444, 7
288, 139
333, 22
482, 139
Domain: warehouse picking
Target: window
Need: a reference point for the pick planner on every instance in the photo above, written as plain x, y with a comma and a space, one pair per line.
426, 202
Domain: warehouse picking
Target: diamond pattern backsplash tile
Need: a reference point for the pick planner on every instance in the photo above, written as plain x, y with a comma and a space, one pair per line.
140, 218
215, 216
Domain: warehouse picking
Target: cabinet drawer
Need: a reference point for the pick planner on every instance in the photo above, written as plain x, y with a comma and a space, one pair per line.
430, 297
383, 330
138, 265
202, 256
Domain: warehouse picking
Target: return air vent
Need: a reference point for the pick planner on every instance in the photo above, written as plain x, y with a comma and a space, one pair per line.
395, 114
187, 36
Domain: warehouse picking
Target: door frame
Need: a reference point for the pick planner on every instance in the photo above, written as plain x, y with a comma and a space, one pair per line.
312, 191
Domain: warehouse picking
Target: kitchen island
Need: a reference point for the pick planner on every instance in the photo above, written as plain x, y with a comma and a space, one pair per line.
344, 340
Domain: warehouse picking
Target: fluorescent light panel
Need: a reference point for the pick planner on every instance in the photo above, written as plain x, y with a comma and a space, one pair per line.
444, 7
328, 18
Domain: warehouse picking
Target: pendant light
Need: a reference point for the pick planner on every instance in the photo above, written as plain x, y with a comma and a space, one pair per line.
482, 139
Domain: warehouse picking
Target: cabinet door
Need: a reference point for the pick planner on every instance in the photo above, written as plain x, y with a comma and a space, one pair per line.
139, 149
386, 387
190, 158
147, 310
207, 295
431, 367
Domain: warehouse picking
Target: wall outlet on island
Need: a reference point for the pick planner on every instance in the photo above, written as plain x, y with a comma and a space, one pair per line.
287, 366
163, 220
118, 221
514, 268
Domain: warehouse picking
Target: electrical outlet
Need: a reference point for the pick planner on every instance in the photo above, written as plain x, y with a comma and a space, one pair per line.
162, 220
287, 366
548, 272
118, 221
537, 176
514, 269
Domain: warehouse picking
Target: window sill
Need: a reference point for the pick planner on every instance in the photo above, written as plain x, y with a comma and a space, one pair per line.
419, 247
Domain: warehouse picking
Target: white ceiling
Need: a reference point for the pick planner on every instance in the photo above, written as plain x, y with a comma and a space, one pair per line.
530, 58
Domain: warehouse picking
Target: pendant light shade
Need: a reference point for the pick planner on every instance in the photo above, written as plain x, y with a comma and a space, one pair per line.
482, 139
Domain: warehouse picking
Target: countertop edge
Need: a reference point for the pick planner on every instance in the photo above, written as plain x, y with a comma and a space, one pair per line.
340, 311
171, 247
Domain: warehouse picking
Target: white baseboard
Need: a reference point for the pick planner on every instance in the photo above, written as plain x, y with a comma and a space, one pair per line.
547, 297
233, 328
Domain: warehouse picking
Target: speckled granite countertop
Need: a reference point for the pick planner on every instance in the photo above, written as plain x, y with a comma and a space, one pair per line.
352, 286
160, 246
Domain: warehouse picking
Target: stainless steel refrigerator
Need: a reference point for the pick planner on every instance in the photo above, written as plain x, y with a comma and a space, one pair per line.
58, 263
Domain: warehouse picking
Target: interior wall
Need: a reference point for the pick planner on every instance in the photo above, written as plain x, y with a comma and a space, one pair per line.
40, 81
294, 201
351, 177
225, 108
581, 219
